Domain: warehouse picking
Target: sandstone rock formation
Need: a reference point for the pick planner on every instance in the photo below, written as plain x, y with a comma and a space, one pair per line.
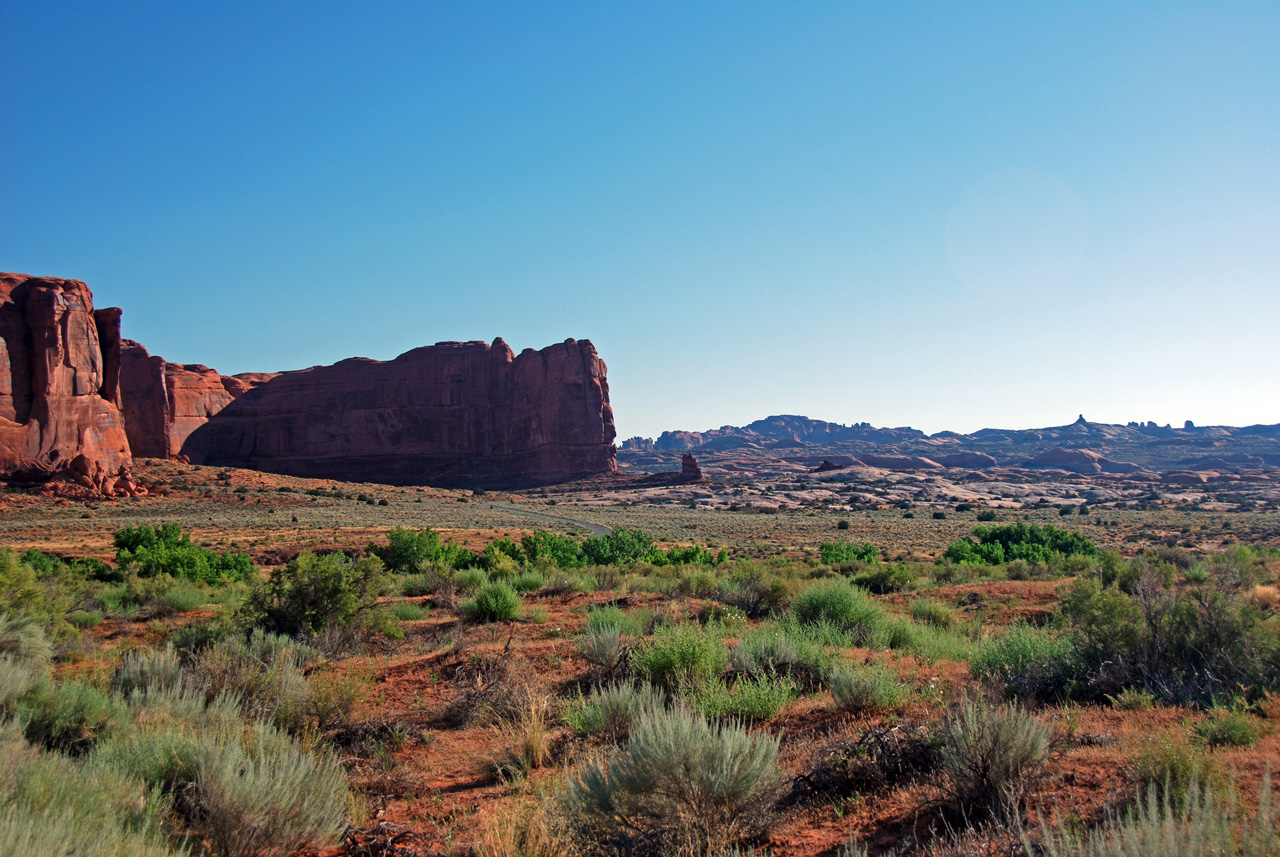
59, 370
689, 468
1080, 461
967, 460
163, 403
452, 413
900, 462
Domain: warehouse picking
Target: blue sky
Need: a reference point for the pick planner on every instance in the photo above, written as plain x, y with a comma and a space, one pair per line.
940, 215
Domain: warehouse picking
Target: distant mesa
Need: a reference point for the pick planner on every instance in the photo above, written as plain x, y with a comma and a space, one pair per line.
637, 444
827, 466
59, 375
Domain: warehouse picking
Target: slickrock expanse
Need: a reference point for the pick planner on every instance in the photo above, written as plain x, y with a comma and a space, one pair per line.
59, 370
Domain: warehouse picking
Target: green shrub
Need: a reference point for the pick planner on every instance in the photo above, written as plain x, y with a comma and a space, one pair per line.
933, 612
144, 669
840, 605
886, 579
680, 659
680, 784
494, 602
46, 597
86, 618
167, 550
603, 647
754, 591
554, 550
1028, 662
777, 653
406, 612
1169, 764
753, 699
618, 548
312, 592
270, 797
265, 672
70, 716
868, 688
610, 710
410, 552
987, 515
54, 806
470, 580
998, 544
835, 553
991, 756
631, 623
1133, 699
1226, 728
528, 581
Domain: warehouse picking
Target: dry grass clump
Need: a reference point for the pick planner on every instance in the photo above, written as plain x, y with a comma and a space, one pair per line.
492, 691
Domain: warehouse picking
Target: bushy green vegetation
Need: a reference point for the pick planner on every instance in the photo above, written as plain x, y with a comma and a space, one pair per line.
314, 591
149, 552
834, 553
409, 551
999, 544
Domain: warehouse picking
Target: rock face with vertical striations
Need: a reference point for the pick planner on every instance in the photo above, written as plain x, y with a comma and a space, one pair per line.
59, 370
165, 402
449, 414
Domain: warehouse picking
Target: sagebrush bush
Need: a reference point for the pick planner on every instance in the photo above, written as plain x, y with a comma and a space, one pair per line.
266, 672
406, 612
603, 647
866, 688
681, 658
633, 623
23, 638
143, 669
470, 580
1159, 826
53, 805
494, 602
528, 581
1226, 728
680, 783
1169, 763
16, 678
990, 757
70, 716
1133, 699
610, 710
271, 796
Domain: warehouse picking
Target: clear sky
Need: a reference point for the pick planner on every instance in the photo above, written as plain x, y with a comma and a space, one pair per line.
941, 215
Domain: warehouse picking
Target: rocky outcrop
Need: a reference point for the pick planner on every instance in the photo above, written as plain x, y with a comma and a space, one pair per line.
967, 460
900, 462
1083, 461
449, 414
59, 370
163, 403
637, 444
689, 469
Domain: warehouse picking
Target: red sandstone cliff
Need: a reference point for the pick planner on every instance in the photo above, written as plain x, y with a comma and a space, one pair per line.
452, 413
59, 369
165, 402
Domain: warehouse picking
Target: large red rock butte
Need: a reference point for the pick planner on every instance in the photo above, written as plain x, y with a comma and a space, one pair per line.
59, 371
449, 414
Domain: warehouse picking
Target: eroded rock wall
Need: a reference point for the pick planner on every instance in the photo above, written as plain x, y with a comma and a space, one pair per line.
59, 370
452, 413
